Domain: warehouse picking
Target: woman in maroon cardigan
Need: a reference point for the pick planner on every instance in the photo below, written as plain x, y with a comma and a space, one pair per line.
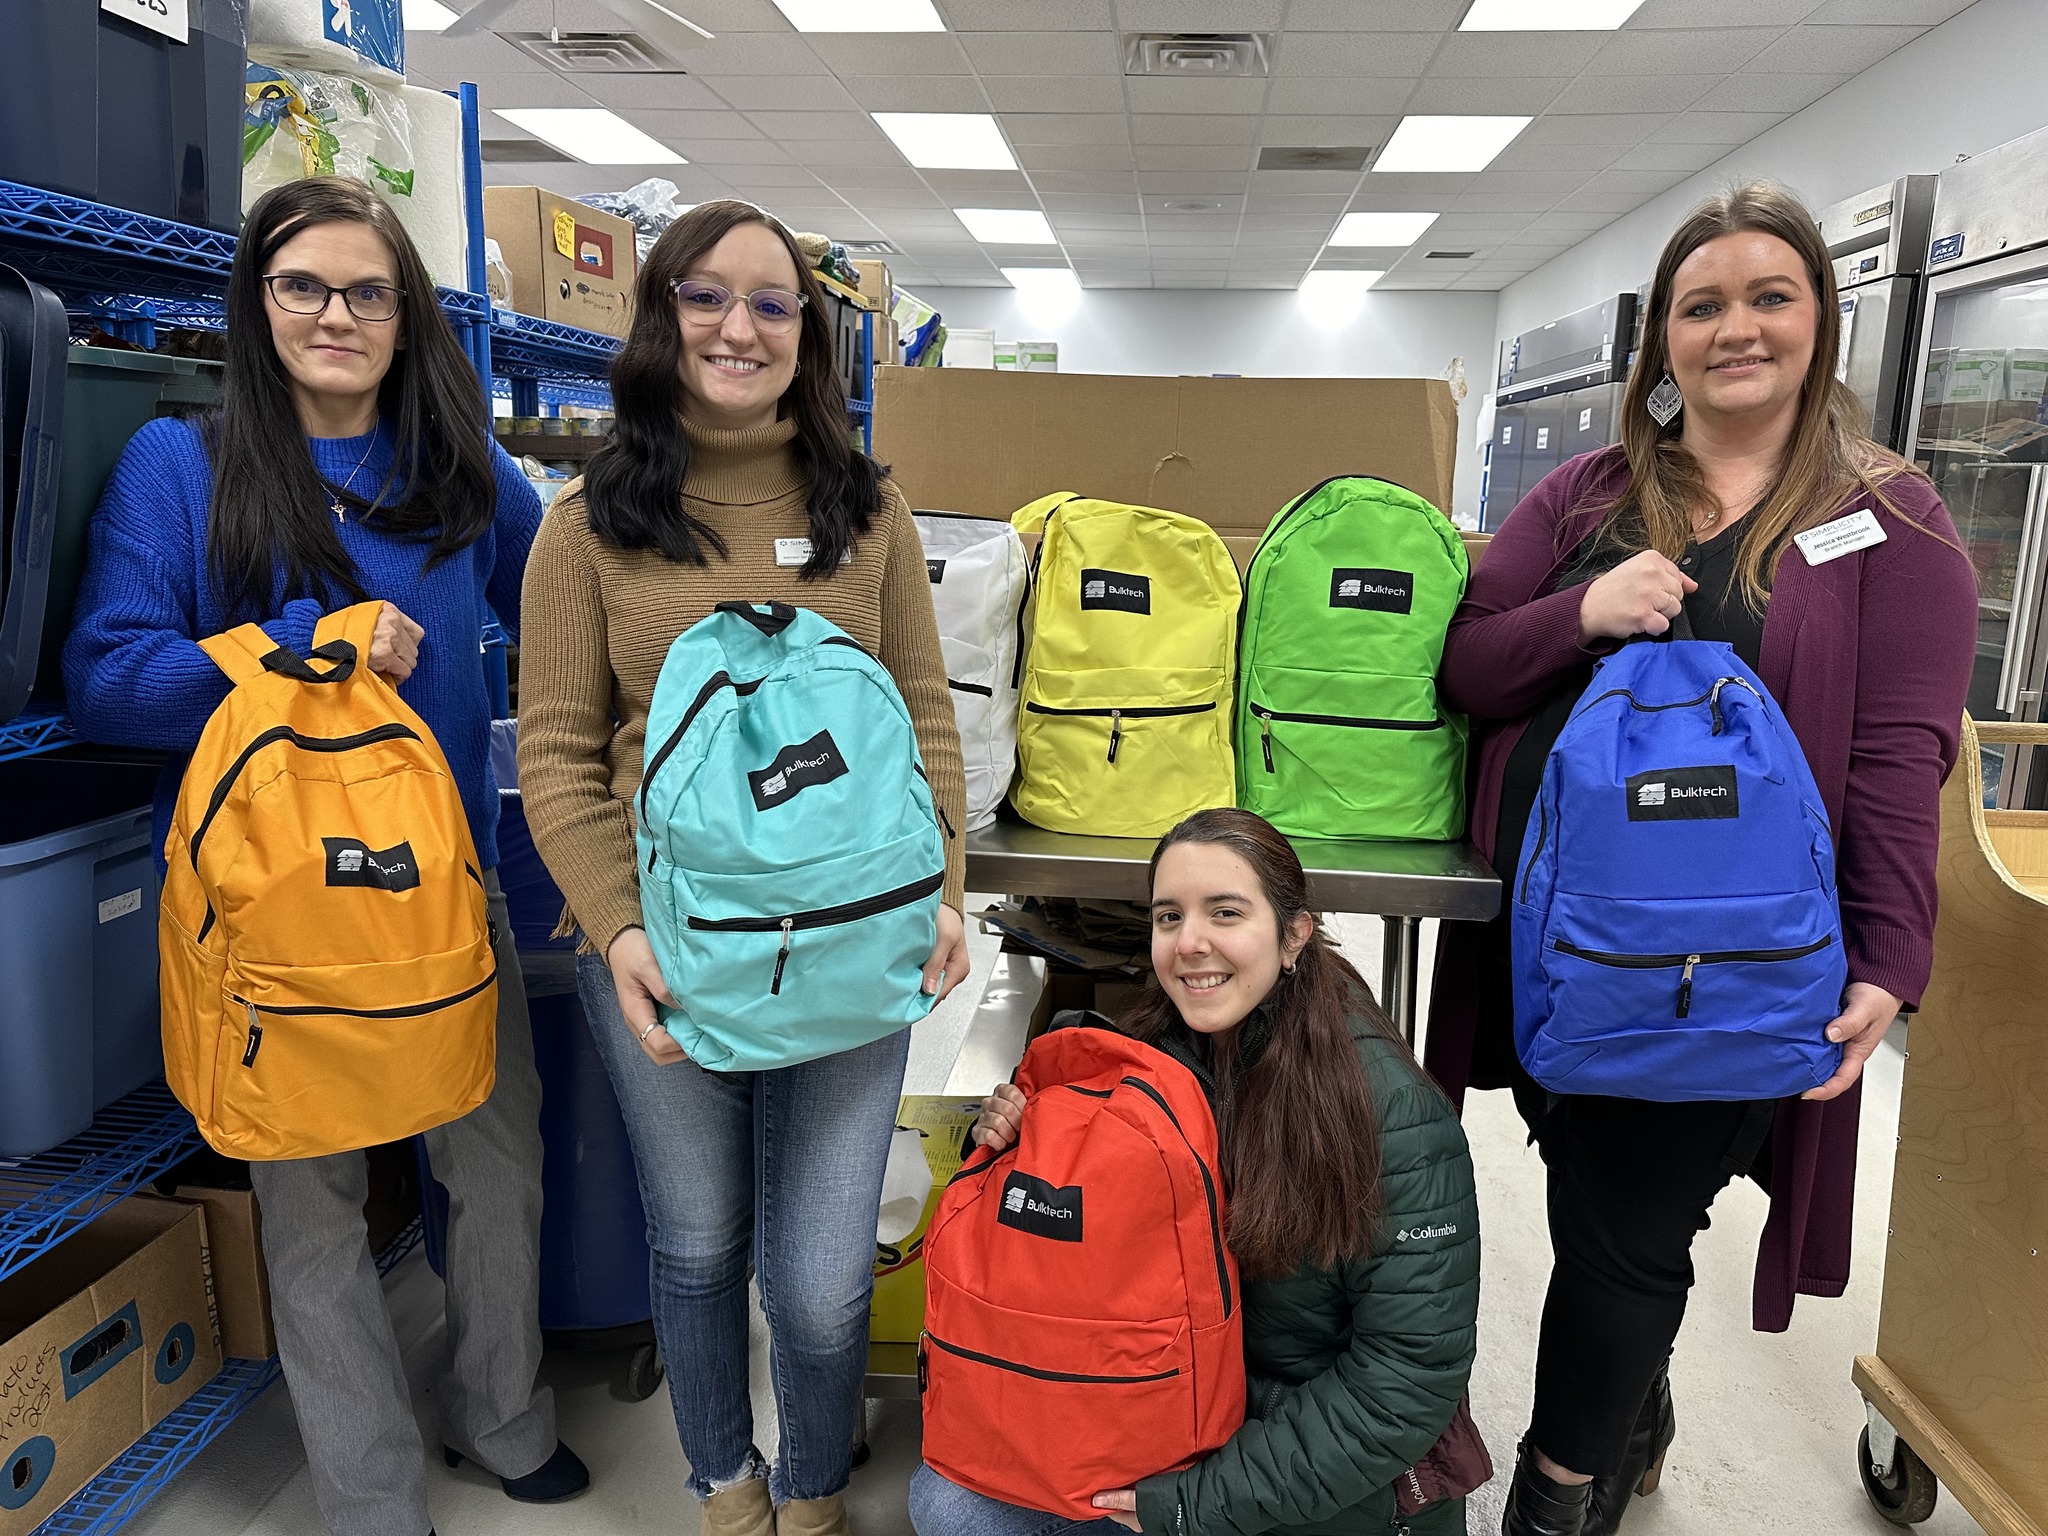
1736, 435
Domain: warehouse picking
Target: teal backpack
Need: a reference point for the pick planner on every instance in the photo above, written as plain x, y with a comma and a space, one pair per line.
1339, 730
790, 850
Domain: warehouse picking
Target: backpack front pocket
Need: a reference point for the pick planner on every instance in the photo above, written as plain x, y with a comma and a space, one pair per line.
1122, 771
1350, 755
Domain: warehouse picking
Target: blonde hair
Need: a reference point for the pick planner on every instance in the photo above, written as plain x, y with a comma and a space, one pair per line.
1830, 456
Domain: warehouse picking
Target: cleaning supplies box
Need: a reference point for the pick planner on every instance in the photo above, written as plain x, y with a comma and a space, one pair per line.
99, 1339
1231, 452
896, 1315
570, 262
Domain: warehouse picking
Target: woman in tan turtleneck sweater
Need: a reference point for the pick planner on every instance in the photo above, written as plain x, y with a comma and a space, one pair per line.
755, 495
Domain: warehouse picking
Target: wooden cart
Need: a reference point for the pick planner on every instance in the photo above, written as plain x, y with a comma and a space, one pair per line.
1958, 1388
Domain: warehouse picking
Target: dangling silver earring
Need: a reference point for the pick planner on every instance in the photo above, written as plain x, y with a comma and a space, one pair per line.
798, 372
1665, 402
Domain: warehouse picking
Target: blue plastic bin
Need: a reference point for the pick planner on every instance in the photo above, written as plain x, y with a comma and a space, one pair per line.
78, 906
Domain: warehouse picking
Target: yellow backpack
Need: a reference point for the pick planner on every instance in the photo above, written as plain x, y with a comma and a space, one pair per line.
1126, 718
328, 975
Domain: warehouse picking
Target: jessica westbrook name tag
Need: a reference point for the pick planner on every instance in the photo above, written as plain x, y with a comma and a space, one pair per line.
1845, 535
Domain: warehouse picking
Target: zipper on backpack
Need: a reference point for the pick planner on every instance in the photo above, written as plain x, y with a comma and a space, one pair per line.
818, 917
1266, 717
1116, 731
1120, 713
255, 1039
1034, 1372
1689, 962
1208, 1187
309, 1010
781, 958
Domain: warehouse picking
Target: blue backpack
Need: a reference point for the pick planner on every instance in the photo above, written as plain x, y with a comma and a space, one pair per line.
1676, 935
790, 851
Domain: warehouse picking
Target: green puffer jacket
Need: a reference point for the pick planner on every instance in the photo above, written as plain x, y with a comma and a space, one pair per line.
1356, 1371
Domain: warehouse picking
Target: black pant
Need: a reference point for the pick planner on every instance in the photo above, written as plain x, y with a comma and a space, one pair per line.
1629, 1185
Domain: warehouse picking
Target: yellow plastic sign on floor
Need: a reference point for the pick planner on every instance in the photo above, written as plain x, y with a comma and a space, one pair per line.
896, 1316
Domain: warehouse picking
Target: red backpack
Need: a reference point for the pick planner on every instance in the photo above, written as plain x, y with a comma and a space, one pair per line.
1082, 1322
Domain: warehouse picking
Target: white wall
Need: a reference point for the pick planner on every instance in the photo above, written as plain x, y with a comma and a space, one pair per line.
1254, 332
1973, 82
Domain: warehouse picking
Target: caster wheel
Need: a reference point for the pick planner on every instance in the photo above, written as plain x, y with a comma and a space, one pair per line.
860, 1453
644, 1374
1907, 1495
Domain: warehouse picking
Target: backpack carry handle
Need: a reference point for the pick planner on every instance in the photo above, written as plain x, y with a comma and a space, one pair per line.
778, 617
339, 652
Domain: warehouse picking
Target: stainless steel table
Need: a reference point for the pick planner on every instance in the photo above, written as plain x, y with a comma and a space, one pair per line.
1401, 882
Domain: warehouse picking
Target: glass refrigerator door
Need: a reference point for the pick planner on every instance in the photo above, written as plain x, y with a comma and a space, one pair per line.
1980, 432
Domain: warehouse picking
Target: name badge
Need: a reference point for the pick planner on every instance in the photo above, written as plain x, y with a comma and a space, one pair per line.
798, 552
1844, 536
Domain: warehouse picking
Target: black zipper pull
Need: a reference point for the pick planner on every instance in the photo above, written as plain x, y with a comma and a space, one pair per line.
781, 958
1266, 740
944, 820
1685, 986
255, 1038
1116, 731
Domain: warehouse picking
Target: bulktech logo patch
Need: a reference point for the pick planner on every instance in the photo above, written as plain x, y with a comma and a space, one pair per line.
1684, 794
816, 761
936, 570
351, 861
1116, 589
1032, 1205
1367, 587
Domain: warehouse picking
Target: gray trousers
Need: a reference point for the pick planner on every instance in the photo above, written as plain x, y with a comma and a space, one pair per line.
341, 1359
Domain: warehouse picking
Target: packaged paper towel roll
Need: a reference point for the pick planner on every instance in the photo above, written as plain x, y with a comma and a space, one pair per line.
300, 123
906, 1182
433, 214
358, 37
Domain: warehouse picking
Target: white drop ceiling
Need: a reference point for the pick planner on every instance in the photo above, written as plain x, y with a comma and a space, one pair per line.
1151, 182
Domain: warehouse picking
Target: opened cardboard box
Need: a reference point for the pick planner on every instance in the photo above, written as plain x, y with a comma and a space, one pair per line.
570, 263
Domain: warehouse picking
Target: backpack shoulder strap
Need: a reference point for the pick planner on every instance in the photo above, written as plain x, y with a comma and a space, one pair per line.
1031, 517
240, 652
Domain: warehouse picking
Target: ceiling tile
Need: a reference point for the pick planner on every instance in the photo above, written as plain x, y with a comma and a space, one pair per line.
756, 53
1079, 240
777, 93
1291, 129
1570, 223
1366, 54
1085, 222
1505, 202
1038, 16
1339, 184
1498, 94
1720, 13
1075, 157
1196, 96
1011, 184
1522, 252
1181, 239
668, 93
1301, 202
1199, 15
917, 93
1926, 13
465, 58
1768, 93
1060, 203
1194, 183
1522, 155
1194, 157
1623, 128
719, 152
1728, 128
1715, 51
1189, 280
893, 53
1671, 157
1398, 191
722, 16
1592, 93
1170, 128
1376, 15
863, 178
1833, 50
1561, 54
1053, 93
846, 127
1345, 98
1043, 53
546, 89
1066, 128
769, 176
1100, 183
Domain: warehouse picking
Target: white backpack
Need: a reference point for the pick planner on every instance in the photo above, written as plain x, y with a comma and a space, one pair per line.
979, 580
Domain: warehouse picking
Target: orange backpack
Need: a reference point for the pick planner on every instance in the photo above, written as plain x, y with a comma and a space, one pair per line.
328, 975
1082, 1327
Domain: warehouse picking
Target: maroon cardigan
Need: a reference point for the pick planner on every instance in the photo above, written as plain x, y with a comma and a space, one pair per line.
1869, 656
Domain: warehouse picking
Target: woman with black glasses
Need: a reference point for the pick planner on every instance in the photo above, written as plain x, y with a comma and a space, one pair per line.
348, 461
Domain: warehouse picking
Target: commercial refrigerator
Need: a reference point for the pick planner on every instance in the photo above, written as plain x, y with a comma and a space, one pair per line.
1878, 243
1979, 428
1559, 392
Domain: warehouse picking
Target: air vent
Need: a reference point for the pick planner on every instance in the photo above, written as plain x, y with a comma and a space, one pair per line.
522, 151
1197, 55
595, 53
1322, 157
1449, 255
870, 248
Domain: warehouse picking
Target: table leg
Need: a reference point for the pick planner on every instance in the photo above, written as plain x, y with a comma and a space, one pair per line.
1400, 971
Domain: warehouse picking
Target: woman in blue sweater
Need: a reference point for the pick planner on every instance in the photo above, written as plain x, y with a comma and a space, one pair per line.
348, 462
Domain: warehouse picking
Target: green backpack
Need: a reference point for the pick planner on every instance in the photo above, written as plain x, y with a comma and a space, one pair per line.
1339, 730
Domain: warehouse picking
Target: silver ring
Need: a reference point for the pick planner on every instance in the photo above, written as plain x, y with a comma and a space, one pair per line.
650, 1029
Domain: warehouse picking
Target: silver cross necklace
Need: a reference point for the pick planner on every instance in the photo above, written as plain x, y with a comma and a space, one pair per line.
334, 502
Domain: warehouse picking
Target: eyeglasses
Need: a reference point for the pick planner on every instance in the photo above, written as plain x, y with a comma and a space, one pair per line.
775, 310
307, 296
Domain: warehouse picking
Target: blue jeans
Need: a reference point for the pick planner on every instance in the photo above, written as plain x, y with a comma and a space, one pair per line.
939, 1507
781, 1170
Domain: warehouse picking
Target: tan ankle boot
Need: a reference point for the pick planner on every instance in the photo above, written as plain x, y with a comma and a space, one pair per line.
813, 1517
741, 1510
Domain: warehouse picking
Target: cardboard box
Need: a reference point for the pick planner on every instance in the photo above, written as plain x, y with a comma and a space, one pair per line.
2026, 373
99, 1339
896, 1315
1974, 376
876, 288
570, 263
1228, 451
234, 1260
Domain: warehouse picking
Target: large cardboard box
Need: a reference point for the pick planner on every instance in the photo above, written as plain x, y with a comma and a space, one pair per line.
99, 1339
896, 1315
877, 290
1229, 451
570, 263
234, 1260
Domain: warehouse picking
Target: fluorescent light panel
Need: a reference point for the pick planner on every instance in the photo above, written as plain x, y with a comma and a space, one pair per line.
1337, 284
1448, 143
427, 16
1007, 226
861, 15
1043, 280
948, 141
1547, 15
592, 134
1381, 228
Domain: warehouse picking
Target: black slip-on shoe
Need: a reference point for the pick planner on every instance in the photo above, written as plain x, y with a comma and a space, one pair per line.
558, 1479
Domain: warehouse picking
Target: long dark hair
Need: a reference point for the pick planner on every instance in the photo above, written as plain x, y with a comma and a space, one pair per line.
270, 515
1300, 1141
633, 488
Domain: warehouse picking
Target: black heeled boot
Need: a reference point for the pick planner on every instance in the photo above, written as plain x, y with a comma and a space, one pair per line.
1539, 1507
1643, 1466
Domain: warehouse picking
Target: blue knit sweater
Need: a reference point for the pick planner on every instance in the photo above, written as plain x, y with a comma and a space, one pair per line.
134, 675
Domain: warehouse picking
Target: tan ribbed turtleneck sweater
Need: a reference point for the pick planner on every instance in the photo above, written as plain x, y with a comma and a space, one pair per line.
596, 623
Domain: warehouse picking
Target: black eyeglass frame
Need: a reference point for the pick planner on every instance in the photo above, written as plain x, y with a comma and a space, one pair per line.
327, 297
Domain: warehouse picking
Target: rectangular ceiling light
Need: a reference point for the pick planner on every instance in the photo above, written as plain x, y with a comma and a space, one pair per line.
861, 15
1381, 228
1335, 283
1547, 15
1042, 280
427, 16
1448, 143
1007, 226
948, 141
592, 134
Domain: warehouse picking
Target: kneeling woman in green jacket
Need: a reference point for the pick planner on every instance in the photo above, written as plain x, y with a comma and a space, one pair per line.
1351, 1213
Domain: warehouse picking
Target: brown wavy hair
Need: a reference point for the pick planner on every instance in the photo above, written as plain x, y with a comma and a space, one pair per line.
1300, 1141
1830, 457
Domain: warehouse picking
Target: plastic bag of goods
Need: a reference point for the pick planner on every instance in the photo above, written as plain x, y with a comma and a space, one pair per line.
298, 123
358, 37
650, 206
